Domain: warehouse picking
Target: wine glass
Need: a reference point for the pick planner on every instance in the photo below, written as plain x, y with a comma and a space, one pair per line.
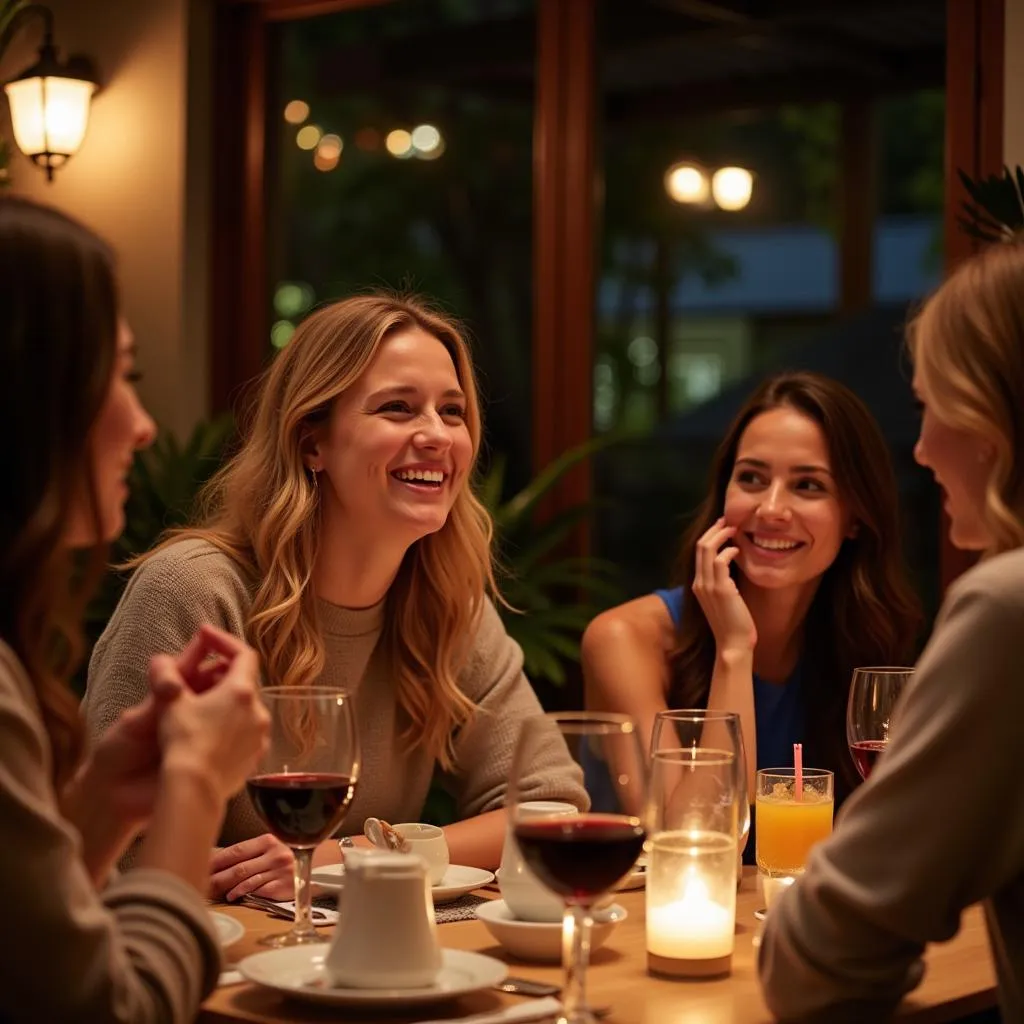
580, 857
695, 728
873, 695
305, 782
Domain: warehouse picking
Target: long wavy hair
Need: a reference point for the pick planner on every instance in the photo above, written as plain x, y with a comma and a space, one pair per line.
59, 299
262, 510
968, 344
864, 611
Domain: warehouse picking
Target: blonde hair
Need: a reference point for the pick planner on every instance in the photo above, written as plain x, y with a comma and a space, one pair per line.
968, 345
262, 510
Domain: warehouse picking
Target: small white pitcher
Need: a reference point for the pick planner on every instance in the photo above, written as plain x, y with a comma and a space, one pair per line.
523, 894
386, 936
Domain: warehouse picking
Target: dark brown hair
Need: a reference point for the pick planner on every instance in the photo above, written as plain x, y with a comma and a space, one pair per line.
57, 345
864, 611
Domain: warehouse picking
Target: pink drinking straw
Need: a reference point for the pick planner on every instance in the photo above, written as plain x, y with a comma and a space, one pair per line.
798, 765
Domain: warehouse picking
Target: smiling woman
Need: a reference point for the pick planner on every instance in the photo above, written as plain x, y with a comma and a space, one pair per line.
789, 577
345, 542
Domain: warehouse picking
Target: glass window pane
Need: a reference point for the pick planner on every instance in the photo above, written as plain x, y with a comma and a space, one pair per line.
401, 158
704, 290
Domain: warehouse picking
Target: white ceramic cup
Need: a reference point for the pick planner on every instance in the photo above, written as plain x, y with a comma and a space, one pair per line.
386, 936
428, 842
523, 894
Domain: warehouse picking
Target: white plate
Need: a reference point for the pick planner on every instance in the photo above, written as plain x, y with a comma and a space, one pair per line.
228, 929
458, 880
540, 940
299, 971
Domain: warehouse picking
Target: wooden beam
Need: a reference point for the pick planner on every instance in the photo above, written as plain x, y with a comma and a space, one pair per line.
292, 10
858, 205
564, 242
974, 144
238, 285
694, 99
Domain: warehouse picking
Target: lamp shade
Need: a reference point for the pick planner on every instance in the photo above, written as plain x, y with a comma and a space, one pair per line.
49, 115
50, 107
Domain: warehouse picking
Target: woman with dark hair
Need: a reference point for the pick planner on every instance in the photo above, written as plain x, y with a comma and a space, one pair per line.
790, 577
940, 824
87, 947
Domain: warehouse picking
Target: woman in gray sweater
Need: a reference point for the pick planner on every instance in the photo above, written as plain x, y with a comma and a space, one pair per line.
81, 945
940, 823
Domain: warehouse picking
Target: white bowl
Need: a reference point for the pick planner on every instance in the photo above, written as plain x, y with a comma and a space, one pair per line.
539, 940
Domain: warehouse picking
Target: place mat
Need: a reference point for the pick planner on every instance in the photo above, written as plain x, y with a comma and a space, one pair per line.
462, 909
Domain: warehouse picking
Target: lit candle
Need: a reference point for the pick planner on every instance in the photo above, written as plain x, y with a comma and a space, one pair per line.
692, 928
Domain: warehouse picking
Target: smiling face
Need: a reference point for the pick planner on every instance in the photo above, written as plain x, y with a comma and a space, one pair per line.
396, 450
784, 501
961, 463
122, 427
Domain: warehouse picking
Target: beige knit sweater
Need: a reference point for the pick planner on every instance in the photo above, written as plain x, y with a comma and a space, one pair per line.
141, 951
191, 582
937, 827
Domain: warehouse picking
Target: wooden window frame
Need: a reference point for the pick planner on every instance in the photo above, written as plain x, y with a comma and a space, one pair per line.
565, 188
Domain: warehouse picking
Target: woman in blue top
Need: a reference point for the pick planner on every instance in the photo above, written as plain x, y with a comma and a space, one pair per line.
791, 575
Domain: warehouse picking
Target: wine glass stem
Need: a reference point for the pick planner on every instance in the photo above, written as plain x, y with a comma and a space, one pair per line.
576, 925
303, 894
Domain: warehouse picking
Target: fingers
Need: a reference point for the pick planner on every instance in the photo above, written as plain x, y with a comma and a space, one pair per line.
708, 549
283, 889
165, 680
274, 867
209, 657
722, 561
248, 849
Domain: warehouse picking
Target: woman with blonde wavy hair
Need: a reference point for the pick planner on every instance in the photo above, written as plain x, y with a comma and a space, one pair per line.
345, 543
940, 823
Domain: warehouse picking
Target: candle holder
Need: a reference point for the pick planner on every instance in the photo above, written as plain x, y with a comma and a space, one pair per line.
691, 868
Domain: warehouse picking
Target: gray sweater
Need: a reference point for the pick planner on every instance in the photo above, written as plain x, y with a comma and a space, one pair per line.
191, 582
939, 826
142, 951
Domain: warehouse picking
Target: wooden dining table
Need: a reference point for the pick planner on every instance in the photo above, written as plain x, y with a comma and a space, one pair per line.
959, 979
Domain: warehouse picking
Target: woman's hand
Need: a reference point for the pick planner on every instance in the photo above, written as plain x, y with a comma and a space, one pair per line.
716, 590
221, 731
263, 866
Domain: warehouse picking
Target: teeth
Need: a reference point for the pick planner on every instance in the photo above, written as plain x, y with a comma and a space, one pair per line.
775, 545
430, 476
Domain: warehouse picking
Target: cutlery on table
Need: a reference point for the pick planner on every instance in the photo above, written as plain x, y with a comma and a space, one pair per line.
276, 910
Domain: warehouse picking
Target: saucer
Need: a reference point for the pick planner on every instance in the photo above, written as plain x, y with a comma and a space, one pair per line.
458, 880
299, 971
539, 940
228, 929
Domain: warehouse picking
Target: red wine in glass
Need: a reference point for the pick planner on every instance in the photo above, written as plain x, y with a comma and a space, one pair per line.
305, 783
865, 754
301, 808
580, 858
874, 696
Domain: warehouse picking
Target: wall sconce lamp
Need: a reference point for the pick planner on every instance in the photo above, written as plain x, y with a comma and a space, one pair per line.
49, 100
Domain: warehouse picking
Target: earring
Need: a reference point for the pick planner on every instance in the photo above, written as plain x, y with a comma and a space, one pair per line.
316, 482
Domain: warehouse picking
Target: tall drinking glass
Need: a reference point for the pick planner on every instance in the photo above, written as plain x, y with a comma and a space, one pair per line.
718, 730
791, 818
874, 693
579, 857
305, 782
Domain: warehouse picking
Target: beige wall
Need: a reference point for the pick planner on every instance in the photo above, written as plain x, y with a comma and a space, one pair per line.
140, 178
1013, 93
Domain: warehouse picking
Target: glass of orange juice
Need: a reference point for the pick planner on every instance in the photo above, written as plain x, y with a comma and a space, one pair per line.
789, 823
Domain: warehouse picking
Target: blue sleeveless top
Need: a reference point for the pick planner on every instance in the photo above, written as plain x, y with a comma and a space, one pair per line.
779, 721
